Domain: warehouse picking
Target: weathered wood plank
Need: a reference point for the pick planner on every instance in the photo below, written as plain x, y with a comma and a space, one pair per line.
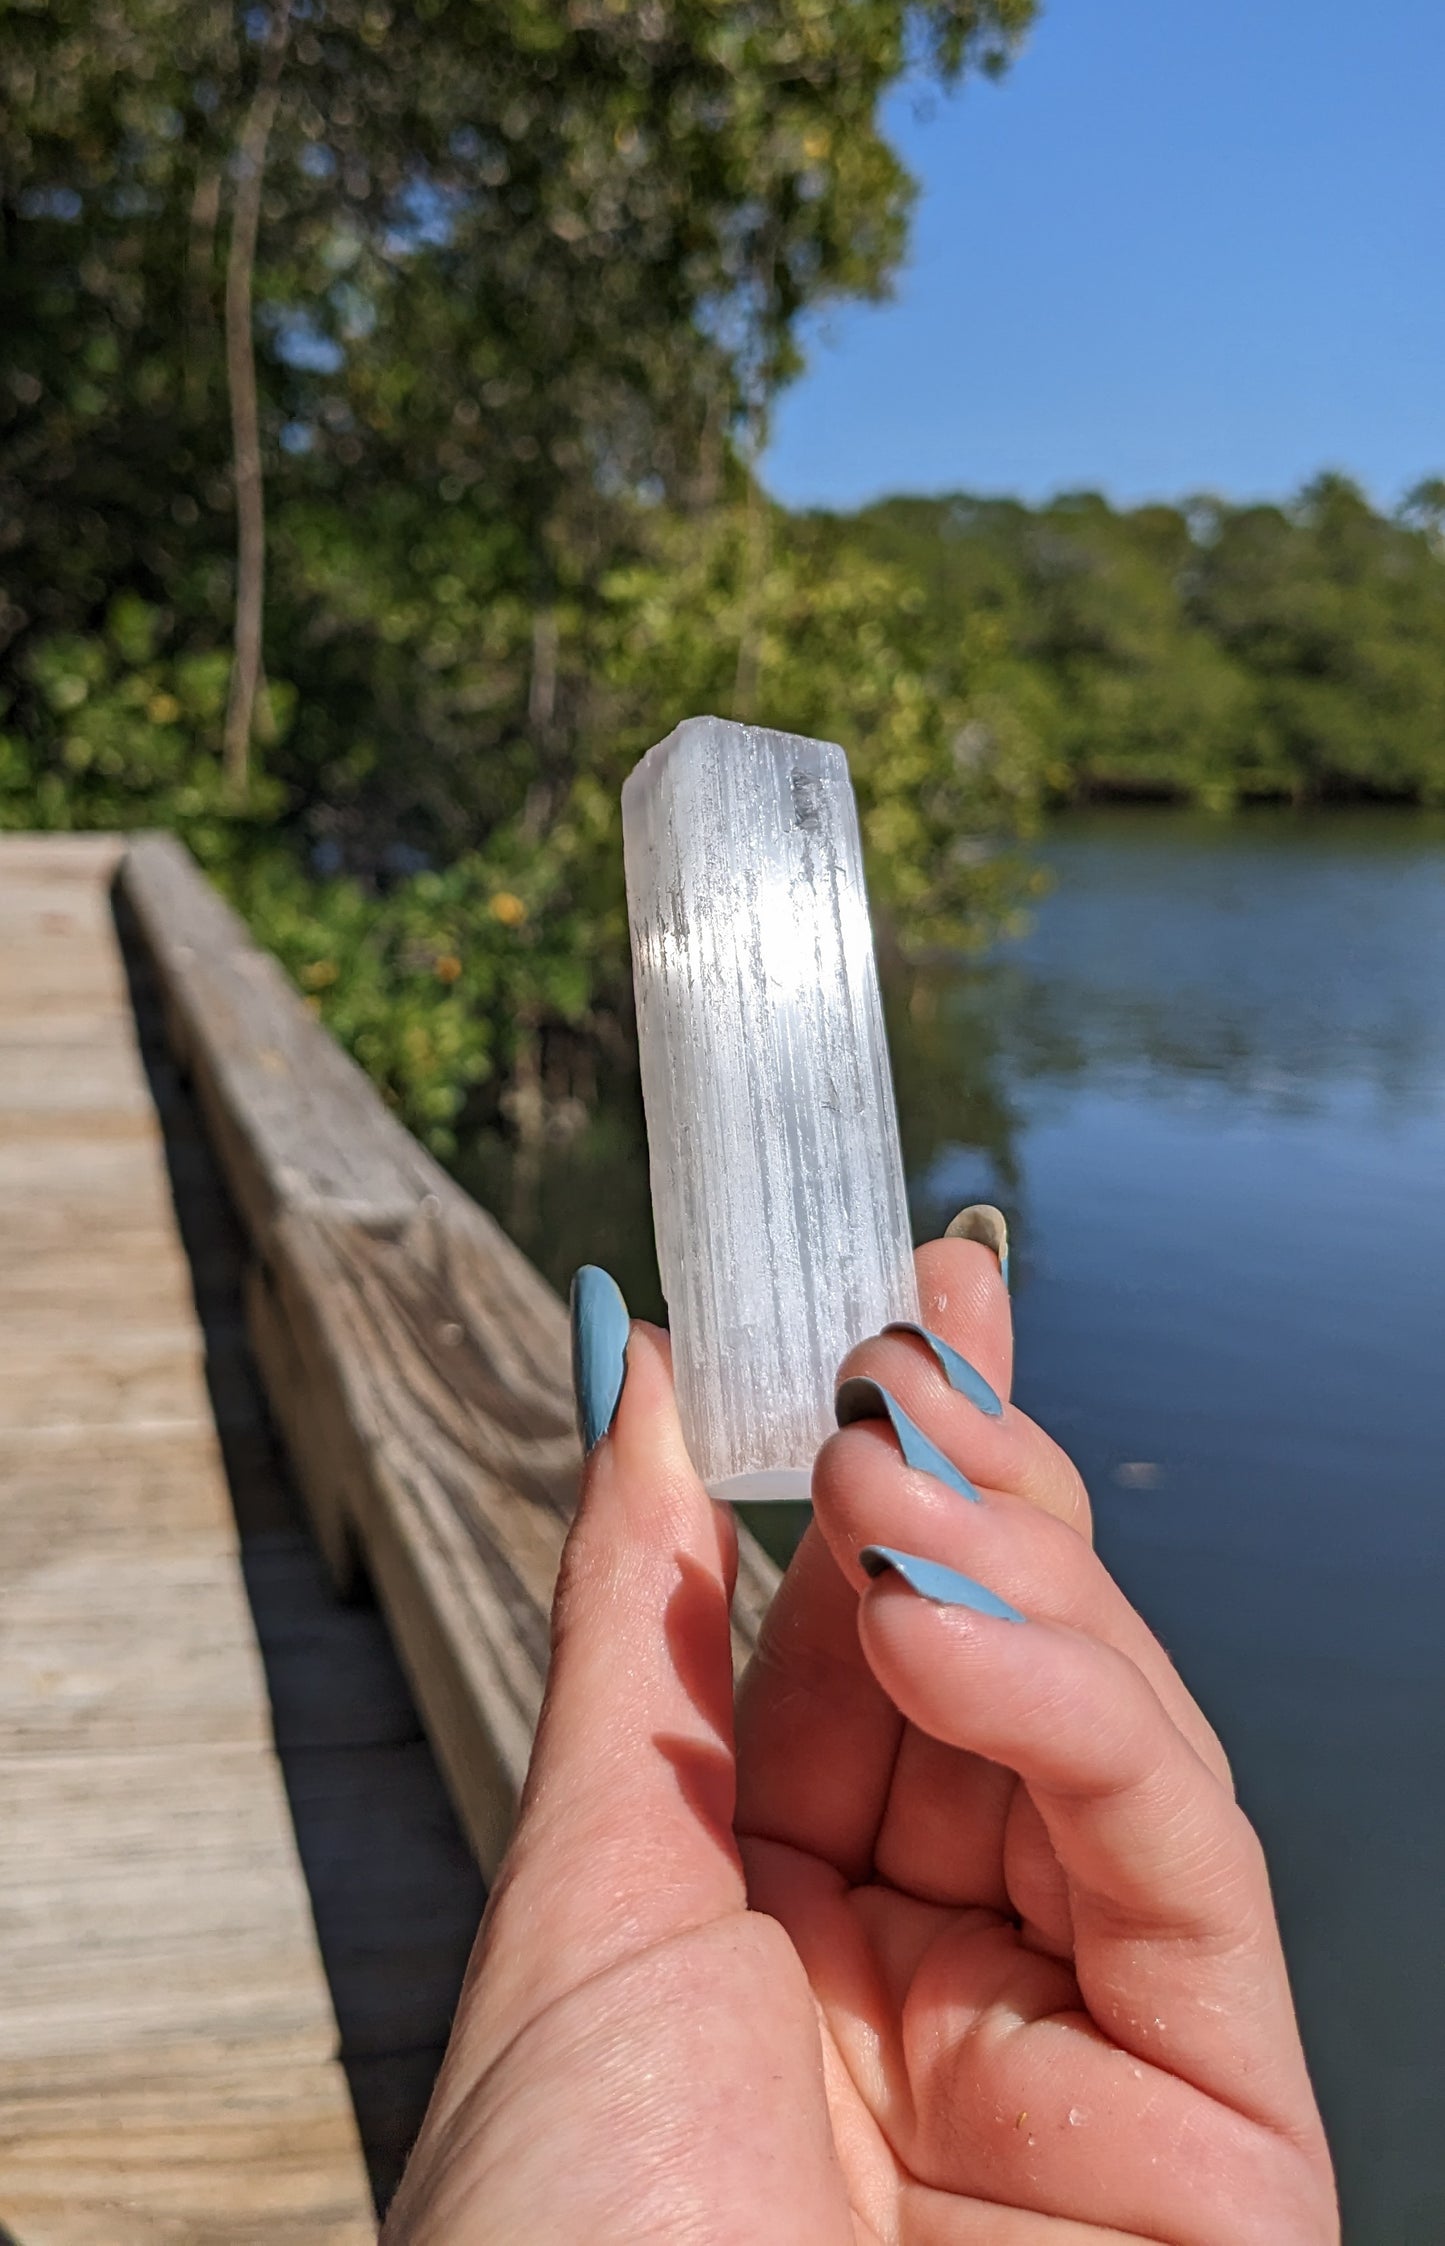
77, 861
73, 971
80, 1670
58, 1275
114, 1490
167, 2041
294, 1120
53, 1091
51, 1188
151, 1906
395, 1892
416, 1363
43, 1076
54, 1378
227, 2158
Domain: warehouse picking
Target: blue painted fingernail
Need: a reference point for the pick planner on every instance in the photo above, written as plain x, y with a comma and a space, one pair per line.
932, 1580
866, 1399
981, 1221
600, 1328
961, 1376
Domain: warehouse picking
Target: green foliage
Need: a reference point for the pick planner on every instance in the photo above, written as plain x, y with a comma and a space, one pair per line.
119, 732
1211, 652
528, 274
443, 981
1337, 616
784, 623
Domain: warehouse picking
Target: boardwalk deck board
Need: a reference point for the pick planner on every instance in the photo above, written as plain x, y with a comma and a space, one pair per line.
167, 2038
416, 1362
225, 1856
248, 2157
76, 1673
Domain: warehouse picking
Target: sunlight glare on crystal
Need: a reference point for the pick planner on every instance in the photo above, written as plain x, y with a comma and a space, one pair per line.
777, 1180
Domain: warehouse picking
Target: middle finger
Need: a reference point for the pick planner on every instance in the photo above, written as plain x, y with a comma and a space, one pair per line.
865, 1491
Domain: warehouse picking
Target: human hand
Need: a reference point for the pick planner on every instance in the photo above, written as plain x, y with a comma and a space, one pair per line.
636, 2058
1037, 1926
1003, 1966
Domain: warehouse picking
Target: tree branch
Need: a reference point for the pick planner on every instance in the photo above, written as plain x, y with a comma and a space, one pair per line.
245, 413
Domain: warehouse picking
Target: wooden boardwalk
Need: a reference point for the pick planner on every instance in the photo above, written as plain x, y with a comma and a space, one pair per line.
235, 1895
168, 2042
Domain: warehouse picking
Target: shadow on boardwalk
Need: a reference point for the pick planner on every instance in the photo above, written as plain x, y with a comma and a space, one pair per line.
394, 1891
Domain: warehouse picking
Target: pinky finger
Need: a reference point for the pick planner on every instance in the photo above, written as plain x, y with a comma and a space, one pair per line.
1176, 1951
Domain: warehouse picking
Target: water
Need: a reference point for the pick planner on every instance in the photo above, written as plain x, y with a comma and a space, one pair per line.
1209, 1089
1224, 1049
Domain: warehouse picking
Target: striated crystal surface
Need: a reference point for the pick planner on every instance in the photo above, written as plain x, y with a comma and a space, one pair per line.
777, 1181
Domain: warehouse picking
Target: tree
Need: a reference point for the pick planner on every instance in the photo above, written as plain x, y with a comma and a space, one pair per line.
507, 285
250, 169
522, 257
1219, 653
1338, 614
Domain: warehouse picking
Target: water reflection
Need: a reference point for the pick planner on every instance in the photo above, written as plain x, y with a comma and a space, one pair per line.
586, 1199
1277, 959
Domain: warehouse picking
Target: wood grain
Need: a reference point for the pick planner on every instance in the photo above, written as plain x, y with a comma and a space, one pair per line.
167, 2036
167, 2039
227, 2157
77, 1672
416, 1363
151, 1905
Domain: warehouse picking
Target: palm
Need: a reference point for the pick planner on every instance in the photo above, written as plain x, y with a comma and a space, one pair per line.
857, 1983
1001, 2067
953, 2029
973, 2095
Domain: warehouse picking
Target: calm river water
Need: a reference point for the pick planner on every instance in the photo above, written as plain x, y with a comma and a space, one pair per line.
1209, 1090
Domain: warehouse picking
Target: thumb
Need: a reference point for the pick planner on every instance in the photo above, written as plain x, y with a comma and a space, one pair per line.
963, 1288
624, 1836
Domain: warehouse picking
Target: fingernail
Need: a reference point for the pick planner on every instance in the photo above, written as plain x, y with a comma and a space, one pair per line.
932, 1580
866, 1399
983, 1222
965, 1379
600, 1328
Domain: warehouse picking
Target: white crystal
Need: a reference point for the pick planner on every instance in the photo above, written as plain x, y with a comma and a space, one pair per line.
777, 1179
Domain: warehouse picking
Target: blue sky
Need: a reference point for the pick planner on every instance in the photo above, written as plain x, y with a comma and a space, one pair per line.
1186, 245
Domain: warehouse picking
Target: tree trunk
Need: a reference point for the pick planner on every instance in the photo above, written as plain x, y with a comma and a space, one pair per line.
200, 306
245, 413
542, 686
757, 542
527, 1106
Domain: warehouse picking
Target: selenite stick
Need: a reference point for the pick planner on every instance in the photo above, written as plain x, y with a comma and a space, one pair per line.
777, 1178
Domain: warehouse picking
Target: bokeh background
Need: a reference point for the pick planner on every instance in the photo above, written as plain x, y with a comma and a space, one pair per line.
406, 414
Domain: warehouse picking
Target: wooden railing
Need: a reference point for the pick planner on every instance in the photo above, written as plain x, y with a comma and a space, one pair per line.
415, 1362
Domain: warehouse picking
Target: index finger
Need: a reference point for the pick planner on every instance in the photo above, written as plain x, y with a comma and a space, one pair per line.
624, 1834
